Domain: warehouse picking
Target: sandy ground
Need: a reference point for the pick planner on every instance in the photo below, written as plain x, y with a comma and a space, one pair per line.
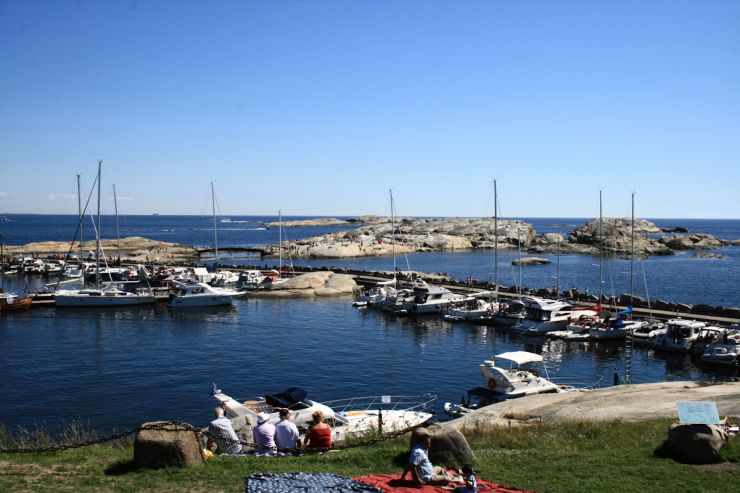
626, 402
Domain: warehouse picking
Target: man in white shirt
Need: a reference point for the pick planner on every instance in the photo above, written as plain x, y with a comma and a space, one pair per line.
222, 432
286, 433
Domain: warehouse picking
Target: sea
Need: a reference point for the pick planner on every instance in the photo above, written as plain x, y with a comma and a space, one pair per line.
113, 369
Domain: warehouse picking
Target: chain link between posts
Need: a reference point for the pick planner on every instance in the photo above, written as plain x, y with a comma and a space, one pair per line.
179, 427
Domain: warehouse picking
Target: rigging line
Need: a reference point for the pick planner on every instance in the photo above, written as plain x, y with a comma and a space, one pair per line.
647, 295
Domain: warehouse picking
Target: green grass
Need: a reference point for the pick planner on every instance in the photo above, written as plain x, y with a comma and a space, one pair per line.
611, 456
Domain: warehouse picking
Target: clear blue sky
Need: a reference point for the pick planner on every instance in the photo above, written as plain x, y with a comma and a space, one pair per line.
319, 107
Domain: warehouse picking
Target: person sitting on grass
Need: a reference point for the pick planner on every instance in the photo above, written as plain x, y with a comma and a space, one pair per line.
422, 470
264, 436
222, 433
318, 435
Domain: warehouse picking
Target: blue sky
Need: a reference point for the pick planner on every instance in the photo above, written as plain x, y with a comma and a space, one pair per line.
319, 107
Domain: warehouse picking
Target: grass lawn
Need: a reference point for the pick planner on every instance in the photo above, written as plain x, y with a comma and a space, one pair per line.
567, 457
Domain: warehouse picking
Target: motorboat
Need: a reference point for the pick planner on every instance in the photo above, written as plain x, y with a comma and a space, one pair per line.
431, 298
109, 295
11, 302
505, 383
706, 336
544, 315
614, 328
477, 310
679, 336
200, 294
648, 332
375, 294
354, 417
725, 350
510, 313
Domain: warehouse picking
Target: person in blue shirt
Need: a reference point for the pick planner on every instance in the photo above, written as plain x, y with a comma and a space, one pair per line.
421, 469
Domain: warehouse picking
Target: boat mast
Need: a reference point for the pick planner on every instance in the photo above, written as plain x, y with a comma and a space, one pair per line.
118, 235
97, 236
495, 239
519, 245
632, 248
557, 283
393, 234
601, 251
79, 210
280, 242
2, 266
215, 228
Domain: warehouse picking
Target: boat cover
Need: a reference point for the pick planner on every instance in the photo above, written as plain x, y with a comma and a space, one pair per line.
519, 357
287, 398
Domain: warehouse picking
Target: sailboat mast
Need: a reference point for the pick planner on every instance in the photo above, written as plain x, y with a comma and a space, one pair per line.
280, 242
519, 244
118, 235
495, 238
632, 247
97, 236
79, 211
215, 227
601, 250
2, 266
393, 233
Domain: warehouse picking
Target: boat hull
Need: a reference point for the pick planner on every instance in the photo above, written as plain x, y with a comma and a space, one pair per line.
66, 301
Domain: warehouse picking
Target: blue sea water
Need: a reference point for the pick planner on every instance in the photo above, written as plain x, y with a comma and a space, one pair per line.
115, 369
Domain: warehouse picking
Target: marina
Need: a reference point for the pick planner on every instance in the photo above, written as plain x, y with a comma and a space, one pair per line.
113, 368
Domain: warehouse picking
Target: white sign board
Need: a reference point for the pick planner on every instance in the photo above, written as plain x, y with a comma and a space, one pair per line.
698, 413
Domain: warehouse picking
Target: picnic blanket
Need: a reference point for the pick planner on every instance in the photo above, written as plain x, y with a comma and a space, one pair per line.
391, 484
305, 483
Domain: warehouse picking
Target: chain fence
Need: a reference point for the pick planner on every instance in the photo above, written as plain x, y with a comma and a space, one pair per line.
177, 426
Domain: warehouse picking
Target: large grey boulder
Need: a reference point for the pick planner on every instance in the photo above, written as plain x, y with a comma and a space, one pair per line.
449, 445
695, 443
167, 445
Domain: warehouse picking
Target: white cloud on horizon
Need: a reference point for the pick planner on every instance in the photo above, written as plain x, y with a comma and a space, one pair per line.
3, 195
57, 196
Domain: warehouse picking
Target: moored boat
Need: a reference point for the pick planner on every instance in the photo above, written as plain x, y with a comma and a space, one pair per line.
679, 336
354, 417
200, 294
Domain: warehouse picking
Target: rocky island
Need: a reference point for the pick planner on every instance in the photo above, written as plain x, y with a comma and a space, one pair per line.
376, 237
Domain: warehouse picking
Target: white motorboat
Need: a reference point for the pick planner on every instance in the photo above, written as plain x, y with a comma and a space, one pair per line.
679, 336
354, 417
511, 313
648, 332
477, 310
375, 294
431, 298
108, 295
200, 294
724, 350
504, 384
544, 315
614, 329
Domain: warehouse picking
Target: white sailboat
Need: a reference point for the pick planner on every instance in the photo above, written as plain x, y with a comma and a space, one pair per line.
102, 294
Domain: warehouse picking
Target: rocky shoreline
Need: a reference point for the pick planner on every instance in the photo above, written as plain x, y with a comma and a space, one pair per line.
376, 237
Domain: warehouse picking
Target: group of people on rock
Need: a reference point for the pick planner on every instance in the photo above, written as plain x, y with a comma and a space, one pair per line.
270, 439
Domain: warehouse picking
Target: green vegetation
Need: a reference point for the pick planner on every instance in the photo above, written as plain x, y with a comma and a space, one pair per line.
610, 456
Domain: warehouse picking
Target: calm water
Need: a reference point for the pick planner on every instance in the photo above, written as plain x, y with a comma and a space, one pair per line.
118, 368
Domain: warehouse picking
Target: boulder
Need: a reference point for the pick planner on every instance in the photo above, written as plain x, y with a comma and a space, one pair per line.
530, 261
165, 445
449, 445
695, 443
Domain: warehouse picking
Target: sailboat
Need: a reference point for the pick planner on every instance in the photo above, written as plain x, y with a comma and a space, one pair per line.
191, 293
482, 309
9, 301
107, 294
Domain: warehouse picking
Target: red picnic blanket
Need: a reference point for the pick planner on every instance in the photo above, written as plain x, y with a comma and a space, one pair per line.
391, 483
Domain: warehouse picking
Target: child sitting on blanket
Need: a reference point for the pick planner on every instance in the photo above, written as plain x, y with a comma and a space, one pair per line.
471, 485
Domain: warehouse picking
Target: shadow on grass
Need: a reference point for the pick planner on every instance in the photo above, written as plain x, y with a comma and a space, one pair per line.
122, 467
